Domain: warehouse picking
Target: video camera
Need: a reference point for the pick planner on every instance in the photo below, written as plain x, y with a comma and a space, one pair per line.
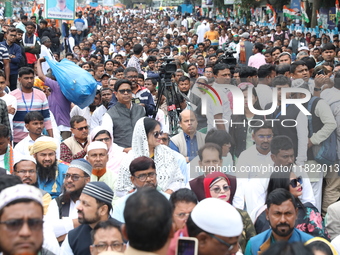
228, 58
167, 68
167, 88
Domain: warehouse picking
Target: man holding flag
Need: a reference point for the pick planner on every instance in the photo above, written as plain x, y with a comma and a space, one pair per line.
303, 13
270, 9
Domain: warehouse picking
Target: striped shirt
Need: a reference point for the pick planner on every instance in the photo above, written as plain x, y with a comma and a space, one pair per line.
3, 53
134, 62
39, 103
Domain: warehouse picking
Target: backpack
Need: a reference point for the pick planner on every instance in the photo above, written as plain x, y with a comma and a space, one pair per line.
325, 152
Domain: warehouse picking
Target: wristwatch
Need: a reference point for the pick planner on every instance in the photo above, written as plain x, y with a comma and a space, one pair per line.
317, 89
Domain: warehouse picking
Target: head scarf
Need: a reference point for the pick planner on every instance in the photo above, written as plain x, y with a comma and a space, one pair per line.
96, 130
320, 239
210, 178
168, 171
43, 143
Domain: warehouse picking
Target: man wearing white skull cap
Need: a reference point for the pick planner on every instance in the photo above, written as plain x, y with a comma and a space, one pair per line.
217, 225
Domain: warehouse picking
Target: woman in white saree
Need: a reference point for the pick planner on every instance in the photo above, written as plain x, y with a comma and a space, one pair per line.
146, 142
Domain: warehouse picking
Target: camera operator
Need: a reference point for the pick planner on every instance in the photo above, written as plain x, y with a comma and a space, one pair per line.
192, 101
150, 70
177, 75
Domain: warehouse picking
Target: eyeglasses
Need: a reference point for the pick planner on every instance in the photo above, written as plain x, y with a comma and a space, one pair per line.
264, 136
26, 171
82, 128
230, 246
217, 190
74, 177
16, 224
103, 247
144, 177
183, 215
165, 139
103, 139
157, 134
132, 77
294, 182
123, 91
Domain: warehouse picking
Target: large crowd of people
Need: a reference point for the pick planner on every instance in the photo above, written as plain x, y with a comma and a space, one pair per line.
239, 151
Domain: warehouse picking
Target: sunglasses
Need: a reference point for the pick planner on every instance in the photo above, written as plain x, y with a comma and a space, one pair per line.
157, 134
123, 91
82, 128
16, 224
294, 182
217, 190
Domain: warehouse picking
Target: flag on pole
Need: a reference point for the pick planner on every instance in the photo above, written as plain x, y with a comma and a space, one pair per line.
252, 11
35, 10
239, 14
318, 18
289, 13
303, 13
337, 11
271, 10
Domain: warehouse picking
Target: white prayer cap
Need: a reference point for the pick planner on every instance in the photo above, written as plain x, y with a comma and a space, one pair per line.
96, 145
217, 217
18, 157
202, 78
18, 192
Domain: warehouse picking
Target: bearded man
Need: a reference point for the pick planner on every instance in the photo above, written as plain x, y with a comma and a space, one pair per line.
50, 170
62, 213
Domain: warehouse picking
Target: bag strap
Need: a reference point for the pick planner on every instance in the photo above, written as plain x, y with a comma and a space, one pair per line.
311, 108
58, 200
64, 208
334, 102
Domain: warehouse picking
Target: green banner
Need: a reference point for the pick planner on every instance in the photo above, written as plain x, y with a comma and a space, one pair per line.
8, 9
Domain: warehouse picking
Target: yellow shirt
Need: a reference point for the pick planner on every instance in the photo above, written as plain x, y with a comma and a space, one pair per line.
211, 35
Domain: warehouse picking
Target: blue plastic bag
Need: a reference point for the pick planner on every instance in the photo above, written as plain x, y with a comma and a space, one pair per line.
77, 85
